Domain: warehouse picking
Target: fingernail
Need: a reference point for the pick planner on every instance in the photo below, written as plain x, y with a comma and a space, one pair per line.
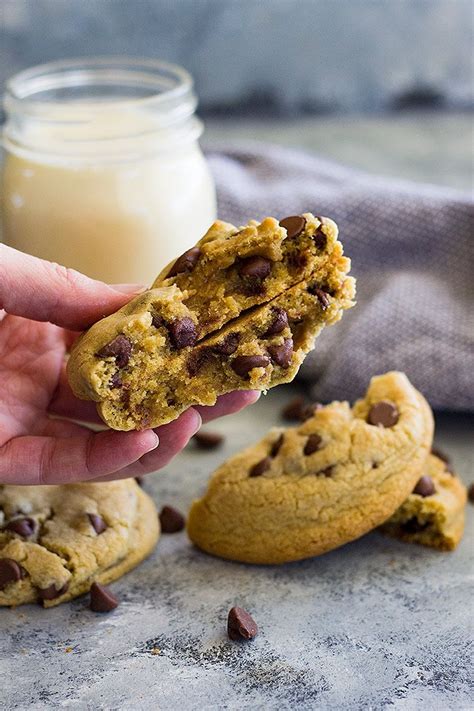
129, 288
198, 421
154, 445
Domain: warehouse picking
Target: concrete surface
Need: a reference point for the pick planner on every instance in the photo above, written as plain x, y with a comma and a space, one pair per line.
376, 624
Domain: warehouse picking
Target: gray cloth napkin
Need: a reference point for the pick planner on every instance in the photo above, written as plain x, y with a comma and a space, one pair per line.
412, 253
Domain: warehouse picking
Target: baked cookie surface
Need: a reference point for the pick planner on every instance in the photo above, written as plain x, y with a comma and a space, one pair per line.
242, 313
55, 541
303, 491
433, 514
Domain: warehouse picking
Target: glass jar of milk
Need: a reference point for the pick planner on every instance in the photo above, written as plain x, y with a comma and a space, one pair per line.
103, 170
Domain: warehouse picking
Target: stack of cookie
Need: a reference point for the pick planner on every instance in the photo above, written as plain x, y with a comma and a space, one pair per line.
240, 310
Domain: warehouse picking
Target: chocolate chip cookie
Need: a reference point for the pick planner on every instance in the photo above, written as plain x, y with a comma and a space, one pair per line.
207, 329
302, 491
55, 541
433, 514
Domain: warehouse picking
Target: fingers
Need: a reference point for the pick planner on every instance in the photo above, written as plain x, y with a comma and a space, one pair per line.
228, 404
173, 438
44, 291
80, 457
65, 404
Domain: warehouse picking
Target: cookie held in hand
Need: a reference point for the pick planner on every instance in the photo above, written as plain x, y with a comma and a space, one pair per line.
303, 491
207, 329
433, 514
75, 534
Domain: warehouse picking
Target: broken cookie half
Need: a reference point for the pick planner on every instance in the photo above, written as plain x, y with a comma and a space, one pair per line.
239, 312
302, 491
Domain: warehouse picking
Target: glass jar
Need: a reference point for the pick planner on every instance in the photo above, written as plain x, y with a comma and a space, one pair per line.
103, 170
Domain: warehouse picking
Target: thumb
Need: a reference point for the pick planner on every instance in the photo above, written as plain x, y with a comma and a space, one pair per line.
45, 291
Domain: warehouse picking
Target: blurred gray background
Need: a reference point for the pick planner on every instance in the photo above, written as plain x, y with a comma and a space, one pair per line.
374, 83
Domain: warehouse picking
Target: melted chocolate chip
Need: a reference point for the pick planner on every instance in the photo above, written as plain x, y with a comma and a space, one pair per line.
276, 446
183, 332
24, 527
320, 239
157, 321
10, 572
240, 625
243, 364
51, 592
328, 472
185, 263
414, 526
425, 487
383, 414
255, 267
120, 349
228, 346
115, 381
321, 296
208, 440
102, 600
171, 520
260, 467
313, 443
282, 355
97, 523
292, 411
278, 324
294, 225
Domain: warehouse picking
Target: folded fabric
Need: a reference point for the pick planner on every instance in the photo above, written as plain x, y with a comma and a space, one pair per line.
412, 250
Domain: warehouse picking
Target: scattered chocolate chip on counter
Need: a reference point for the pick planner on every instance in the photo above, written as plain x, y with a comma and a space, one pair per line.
470, 493
292, 411
102, 600
241, 625
208, 440
171, 520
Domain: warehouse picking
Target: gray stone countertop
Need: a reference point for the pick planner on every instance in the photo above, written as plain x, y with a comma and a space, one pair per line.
376, 624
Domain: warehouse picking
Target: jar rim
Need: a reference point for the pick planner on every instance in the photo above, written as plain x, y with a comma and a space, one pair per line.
113, 70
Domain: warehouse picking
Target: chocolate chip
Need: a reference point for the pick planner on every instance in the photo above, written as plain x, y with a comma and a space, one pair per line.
157, 321
320, 239
260, 467
51, 592
383, 414
470, 493
185, 263
440, 454
208, 440
24, 527
228, 346
292, 411
294, 225
321, 296
182, 332
10, 572
278, 324
243, 364
97, 523
425, 487
255, 267
328, 472
414, 526
308, 411
240, 625
197, 359
282, 355
313, 443
102, 600
171, 520
115, 381
120, 348
276, 446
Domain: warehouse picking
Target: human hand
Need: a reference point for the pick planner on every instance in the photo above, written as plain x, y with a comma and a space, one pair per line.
45, 305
